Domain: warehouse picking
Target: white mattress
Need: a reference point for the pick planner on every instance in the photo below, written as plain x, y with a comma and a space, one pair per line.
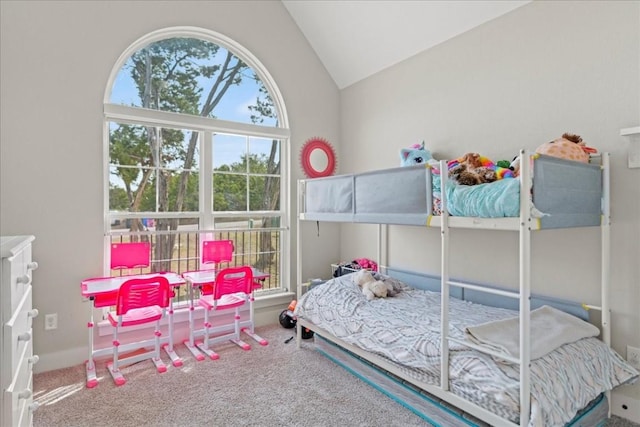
406, 330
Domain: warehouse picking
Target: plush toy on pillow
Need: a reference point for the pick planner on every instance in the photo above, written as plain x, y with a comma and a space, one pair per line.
415, 155
568, 147
371, 288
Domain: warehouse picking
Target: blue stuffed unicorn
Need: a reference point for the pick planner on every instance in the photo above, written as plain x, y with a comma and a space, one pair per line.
415, 155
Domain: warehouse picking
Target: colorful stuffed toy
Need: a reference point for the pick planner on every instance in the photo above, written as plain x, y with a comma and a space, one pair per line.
473, 169
569, 147
415, 155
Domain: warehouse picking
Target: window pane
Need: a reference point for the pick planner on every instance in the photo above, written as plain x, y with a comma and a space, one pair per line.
124, 185
196, 77
229, 192
170, 189
264, 193
265, 156
180, 149
130, 145
229, 153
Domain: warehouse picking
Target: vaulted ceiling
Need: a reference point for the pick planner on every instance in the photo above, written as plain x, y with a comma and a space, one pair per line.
357, 38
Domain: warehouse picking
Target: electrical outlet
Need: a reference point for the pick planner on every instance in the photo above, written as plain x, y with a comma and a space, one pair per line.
633, 356
51, 322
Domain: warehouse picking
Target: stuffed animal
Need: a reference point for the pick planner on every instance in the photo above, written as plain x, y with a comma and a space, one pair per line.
515, 166
473, 169
371, 288
568, 147
415, 155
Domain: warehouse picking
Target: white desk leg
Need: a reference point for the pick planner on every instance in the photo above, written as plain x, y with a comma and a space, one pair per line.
250, 330
90, 364
190, 343
175, 359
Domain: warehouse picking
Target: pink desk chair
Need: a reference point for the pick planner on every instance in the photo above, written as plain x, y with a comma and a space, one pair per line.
232, 289
103, 292
138, 255
139, 301
213, 254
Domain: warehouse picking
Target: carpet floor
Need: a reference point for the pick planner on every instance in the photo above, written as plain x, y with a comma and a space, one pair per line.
274, 385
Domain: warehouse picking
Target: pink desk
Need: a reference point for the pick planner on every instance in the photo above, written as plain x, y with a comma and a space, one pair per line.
197, 279
103, 292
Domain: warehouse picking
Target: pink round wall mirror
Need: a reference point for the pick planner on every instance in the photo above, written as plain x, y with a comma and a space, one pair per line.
317, 158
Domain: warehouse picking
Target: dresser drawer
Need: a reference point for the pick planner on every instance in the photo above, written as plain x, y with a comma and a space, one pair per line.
18, 397
17, 273
18, 332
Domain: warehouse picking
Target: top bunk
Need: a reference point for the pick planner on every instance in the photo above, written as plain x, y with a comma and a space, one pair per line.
549, 192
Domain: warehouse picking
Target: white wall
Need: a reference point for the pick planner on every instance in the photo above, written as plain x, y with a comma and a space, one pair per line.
56, 59
516, 82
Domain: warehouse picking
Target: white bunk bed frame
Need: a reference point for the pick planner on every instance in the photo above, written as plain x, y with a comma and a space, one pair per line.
524, 225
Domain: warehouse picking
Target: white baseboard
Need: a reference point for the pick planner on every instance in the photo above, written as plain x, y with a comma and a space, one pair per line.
625, 402
266, 313
61, 359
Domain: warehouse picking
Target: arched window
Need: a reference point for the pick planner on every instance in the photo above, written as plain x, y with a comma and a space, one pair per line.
196, 148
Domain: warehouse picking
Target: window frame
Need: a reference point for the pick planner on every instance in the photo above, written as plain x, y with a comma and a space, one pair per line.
207, 127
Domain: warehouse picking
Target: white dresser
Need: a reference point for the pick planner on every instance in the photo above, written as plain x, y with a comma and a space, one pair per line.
16, 335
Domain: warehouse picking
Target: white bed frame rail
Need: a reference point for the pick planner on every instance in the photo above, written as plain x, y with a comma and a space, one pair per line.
525, 226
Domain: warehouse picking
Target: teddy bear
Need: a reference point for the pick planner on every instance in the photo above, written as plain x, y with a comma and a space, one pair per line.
568, 147
371, 288
416, 155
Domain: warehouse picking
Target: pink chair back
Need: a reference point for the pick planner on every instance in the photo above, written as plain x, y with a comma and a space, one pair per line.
217, 251
130, 255
145, 292
233, 280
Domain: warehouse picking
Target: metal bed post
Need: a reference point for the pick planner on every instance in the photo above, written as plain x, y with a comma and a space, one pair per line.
606, 257
444, 291
301, 197
525, 286
379, 254
606, 248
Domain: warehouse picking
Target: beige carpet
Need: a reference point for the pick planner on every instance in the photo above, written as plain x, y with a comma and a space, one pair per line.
274, 385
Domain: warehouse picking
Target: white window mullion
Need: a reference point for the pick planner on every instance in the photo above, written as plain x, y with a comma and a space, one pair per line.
246, 171
206, 184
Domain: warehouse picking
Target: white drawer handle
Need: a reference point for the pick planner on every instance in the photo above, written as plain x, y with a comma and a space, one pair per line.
32, 265
33, 313
34, 359
34, 406
24, 337
24, 394
24, 279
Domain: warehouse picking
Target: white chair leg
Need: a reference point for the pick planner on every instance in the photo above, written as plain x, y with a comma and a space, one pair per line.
168, 347
236, 334
204, 345
90, 365
250, 330
191, 342
113, 368
160, 366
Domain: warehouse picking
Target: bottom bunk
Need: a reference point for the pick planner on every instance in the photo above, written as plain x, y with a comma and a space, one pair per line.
401, 334
428, 407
